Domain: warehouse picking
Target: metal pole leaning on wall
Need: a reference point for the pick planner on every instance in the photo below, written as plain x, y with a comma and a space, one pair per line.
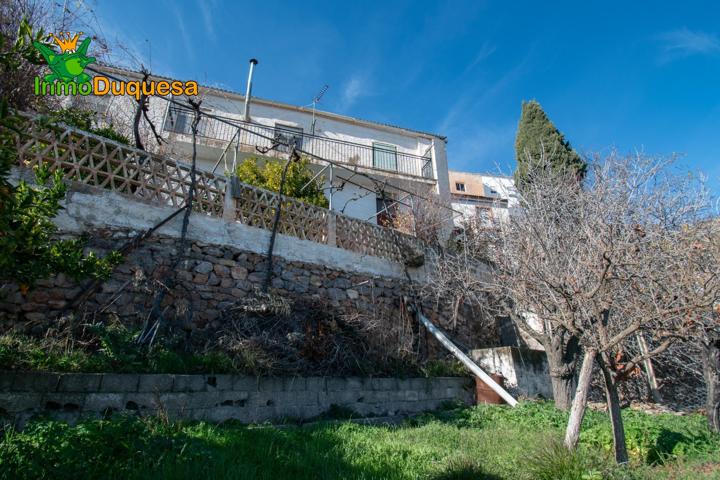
472, 366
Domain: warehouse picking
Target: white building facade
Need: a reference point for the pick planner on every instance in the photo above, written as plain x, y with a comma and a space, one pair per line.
399, 159
483, 197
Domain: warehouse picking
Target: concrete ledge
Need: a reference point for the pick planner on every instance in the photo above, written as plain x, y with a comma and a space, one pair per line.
93, 208
217, 398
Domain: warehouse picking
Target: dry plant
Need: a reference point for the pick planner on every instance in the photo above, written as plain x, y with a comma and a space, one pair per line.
598, 265
51, 17
267, 333
426, 215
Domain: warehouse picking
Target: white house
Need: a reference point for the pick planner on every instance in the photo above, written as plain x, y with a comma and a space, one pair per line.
400, 158
483, 196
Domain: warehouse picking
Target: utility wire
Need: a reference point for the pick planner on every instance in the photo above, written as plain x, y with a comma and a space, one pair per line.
298, 150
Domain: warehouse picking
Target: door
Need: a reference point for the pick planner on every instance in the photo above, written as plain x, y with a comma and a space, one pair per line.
385, 156
289, 135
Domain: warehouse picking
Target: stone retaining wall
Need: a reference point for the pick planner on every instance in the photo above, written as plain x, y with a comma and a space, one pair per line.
217, 398
211, 280
226, 261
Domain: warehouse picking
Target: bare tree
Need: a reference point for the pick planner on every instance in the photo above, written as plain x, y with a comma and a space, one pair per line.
535, 264
711, 371
602, 263
706, 257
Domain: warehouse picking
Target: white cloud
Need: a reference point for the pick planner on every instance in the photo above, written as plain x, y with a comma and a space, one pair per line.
354, 89
485, 51
187, 44
206, 9
478, 147
683, 43
469, 100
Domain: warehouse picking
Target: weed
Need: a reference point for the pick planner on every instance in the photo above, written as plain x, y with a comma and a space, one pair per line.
475, 443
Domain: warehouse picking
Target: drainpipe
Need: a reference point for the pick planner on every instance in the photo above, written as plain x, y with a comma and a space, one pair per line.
248, 91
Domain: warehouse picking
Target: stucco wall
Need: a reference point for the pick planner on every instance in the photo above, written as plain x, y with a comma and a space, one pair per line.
526, 371
217, 398
268, 113
482, 185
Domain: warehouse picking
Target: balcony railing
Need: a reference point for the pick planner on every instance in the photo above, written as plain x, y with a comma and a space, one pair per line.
380, 156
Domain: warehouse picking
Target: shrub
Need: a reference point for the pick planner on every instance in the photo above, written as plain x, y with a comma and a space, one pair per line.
447, 367
299, 174
106, 348
82, 119
28, 249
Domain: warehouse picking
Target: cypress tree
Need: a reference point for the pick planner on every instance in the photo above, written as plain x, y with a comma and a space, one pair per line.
536, 137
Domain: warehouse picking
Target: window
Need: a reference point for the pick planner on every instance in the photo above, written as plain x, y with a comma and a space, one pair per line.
427, 169
385, 156
178, 120
288, 134
460, 187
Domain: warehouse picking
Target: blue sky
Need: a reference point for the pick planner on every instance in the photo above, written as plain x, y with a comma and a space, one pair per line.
631, 75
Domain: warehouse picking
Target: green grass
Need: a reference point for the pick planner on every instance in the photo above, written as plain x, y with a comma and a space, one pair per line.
474, 443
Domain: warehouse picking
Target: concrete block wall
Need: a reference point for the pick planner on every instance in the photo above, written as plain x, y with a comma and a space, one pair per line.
217, 398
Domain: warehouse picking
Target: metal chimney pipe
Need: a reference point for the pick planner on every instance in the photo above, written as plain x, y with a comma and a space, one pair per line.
248, 91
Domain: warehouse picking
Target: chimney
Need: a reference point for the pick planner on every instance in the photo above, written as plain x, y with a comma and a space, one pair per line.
248, 91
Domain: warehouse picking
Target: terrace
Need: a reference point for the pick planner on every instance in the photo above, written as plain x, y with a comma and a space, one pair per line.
94, 161
378, 157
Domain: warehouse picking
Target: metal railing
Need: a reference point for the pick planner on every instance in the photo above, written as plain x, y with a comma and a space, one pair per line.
381, 157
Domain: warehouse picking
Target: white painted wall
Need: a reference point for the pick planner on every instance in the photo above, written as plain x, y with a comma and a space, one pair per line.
361, 205
526, 371
504, 188
353, 201
350, 131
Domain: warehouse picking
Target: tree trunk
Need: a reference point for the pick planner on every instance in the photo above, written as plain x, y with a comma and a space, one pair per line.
711, 372
613, 403
562, 352
579, 404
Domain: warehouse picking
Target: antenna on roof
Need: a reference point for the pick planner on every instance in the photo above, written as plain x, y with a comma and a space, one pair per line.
315, 101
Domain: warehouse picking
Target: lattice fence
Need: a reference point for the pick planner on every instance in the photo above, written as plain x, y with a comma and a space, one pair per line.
99, 162
103, 163
369, 239
256, 207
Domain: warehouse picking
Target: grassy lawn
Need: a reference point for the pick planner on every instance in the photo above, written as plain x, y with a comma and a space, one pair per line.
468, 443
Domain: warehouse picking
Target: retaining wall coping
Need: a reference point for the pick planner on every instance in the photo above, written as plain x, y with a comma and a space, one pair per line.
16, 381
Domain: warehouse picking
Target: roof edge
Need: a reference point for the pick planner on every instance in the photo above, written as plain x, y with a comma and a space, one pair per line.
287, 106
482, 174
